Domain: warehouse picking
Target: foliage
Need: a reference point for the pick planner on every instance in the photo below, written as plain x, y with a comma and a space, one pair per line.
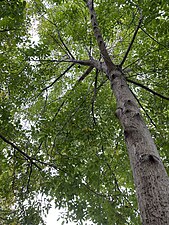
60, 138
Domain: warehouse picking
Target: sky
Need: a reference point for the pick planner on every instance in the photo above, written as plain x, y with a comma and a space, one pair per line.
52, 218
54, 214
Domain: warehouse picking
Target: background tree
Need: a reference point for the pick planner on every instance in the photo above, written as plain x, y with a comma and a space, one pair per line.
58, 122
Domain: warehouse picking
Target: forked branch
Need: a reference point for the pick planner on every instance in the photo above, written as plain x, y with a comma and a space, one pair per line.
26, 156
110, 65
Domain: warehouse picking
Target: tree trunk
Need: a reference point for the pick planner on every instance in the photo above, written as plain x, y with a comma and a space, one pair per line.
150, 177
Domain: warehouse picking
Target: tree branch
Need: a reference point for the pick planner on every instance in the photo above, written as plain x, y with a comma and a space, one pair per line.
62, 74
49, 165
147, 89
64, 44
29, 177
94, 95
86, 73
58, 110
31, 159
109, 198
80, 62
153, 38
132, 41
141, 58
110, 65
6, 30
58, 43
60, 38
92, 62
143, 109
26, 156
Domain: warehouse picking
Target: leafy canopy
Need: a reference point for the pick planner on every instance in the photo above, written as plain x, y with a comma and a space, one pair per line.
60, 138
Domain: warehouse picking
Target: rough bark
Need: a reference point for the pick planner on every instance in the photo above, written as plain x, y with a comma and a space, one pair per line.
102, 47
150, 177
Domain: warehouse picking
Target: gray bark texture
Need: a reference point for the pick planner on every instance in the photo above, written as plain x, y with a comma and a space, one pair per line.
150, 177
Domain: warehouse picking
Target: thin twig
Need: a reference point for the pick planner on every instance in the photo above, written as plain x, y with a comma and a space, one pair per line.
153, 38
60, 45
133, 38
87, 72
6, 30
145, 55
143, 109
109, 198
65, 45
29, 177
59, 109
94, 95
49, 165
50, 85
148, 89
58, 32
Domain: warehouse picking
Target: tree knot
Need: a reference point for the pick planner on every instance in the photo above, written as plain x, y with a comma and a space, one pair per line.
149, 158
